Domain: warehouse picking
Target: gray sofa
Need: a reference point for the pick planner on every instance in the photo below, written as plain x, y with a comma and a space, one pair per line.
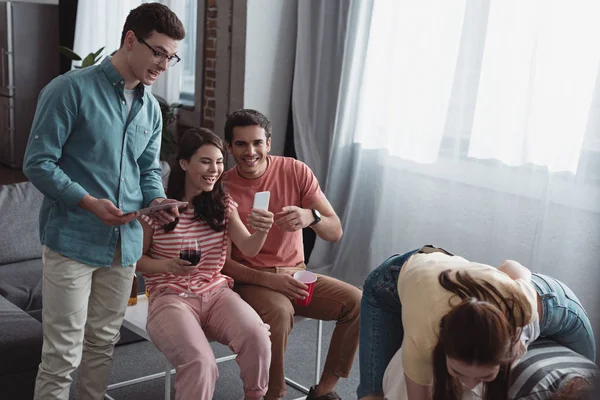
21, 291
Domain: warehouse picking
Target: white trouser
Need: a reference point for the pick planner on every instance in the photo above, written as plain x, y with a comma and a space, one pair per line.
83, 308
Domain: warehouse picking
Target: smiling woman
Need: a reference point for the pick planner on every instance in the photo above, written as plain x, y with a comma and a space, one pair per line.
178, 319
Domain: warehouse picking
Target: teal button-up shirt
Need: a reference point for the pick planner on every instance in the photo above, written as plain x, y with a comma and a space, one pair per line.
83, 141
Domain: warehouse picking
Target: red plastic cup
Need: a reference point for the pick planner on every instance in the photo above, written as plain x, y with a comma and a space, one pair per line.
309, 279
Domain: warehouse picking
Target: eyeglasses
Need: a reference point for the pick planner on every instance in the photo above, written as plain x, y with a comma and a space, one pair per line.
159, 56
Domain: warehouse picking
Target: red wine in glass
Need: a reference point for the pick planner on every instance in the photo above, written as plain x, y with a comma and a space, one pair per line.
190, 251
193, 256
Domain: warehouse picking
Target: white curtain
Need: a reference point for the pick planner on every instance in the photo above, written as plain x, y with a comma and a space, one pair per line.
100, 23
471, 125
413, 47
537, 79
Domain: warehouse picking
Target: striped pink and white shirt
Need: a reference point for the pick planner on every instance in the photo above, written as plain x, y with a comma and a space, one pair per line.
213, 248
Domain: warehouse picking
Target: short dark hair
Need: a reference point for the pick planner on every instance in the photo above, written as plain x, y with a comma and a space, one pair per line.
150, 17
246, 117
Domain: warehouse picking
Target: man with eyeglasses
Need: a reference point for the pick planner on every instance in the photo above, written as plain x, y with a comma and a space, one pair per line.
93, 152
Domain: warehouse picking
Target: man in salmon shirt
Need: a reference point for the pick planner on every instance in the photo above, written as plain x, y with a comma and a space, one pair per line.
266, 281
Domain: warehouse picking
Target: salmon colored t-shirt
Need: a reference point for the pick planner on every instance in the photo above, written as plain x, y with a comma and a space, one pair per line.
291, 183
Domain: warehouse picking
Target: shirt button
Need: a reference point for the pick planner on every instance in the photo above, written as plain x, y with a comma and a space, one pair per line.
122, 179
116, 229
145, 131
121, 82
123, 101
37, 137
121, 205
114, 84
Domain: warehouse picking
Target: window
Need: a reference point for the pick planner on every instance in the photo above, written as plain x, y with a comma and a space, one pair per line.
512, 81
188, 53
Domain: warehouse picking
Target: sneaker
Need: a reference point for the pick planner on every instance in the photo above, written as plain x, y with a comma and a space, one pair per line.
327, 396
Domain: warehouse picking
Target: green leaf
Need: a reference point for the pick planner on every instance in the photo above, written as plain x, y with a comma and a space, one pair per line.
96, 54
113, 53
88, 61
70, 54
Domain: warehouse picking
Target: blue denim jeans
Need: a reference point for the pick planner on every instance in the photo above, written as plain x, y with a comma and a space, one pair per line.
563, 318
381, 331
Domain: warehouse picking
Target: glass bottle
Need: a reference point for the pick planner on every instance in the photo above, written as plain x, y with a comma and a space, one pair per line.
134, 291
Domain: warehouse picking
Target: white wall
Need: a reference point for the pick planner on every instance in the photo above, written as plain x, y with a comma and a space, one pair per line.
270, 51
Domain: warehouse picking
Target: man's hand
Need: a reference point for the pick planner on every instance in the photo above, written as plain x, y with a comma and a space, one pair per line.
292, 218
288, 285
260, 220
163, 217
105, 210
177, 266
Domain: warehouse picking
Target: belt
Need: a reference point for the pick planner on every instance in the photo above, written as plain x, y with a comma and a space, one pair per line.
427, 249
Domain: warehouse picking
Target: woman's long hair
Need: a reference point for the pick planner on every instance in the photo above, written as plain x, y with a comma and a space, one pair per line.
208, 206
483, 329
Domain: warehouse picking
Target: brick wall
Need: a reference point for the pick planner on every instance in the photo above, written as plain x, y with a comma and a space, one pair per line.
210, 62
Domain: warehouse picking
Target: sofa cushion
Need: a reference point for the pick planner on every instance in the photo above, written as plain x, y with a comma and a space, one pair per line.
19, 237
19, 385
544, 368
21, 284
20, 339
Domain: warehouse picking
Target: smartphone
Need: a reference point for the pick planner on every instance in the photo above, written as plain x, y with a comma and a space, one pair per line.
261, 200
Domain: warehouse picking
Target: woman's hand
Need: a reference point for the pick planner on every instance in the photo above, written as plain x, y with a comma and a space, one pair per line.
260, 220
177, 266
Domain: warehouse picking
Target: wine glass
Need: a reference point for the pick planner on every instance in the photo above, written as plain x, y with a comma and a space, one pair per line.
190, 251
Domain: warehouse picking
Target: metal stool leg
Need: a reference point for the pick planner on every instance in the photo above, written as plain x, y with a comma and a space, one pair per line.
167, 380
300, 387
318, 362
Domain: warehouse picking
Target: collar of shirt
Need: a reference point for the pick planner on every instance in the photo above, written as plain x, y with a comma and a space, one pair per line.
116, 79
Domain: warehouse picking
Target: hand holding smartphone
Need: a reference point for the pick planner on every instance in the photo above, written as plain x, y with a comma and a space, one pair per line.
261, 221
261, 200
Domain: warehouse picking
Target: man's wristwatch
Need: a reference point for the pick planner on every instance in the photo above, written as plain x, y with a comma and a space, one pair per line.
317, 215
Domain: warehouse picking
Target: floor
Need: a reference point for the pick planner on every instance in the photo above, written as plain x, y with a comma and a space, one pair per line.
142, 358
9, 175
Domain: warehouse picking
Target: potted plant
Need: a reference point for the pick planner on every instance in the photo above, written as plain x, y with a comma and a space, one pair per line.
169, 116
168, 146
89, 60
